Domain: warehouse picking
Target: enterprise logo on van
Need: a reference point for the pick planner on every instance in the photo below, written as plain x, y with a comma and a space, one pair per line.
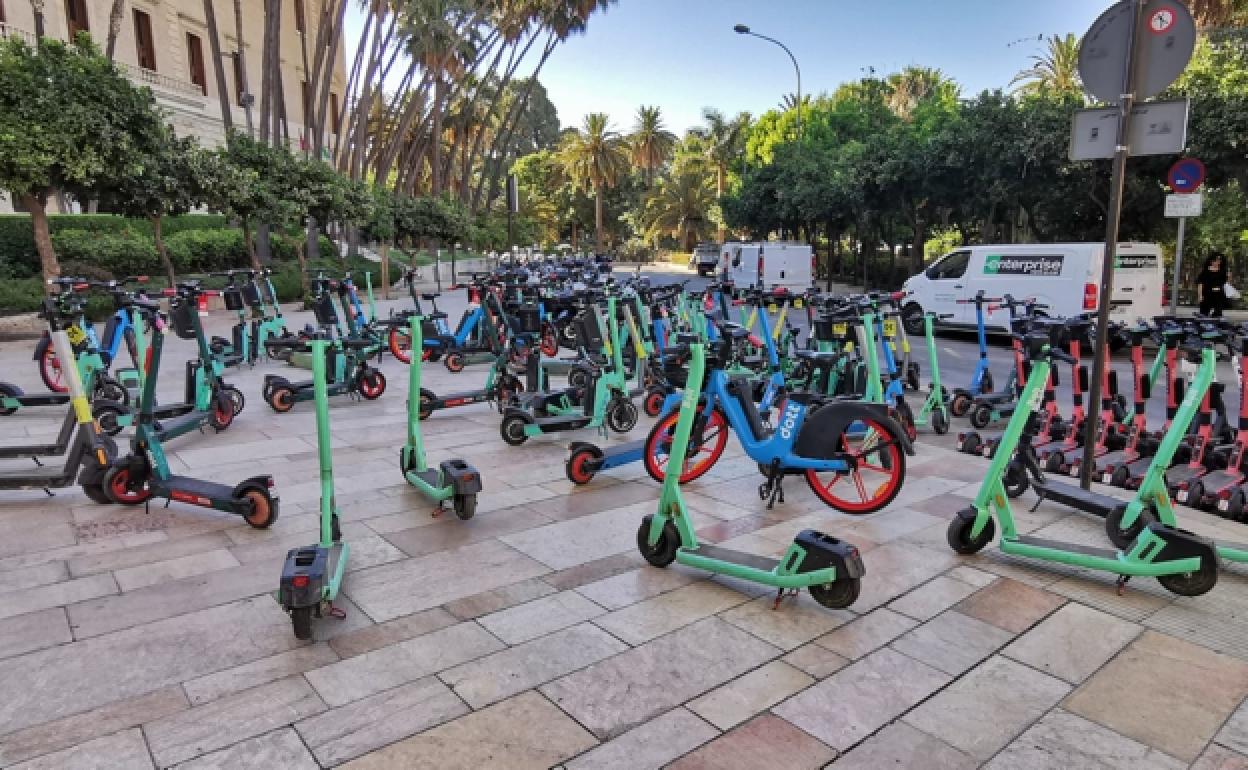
1135, 261
997, 264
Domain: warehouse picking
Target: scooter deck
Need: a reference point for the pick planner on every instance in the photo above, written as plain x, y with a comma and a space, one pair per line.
1058, 545
1217, 481
34, 477
1181, 473
200, 487
1075, 497
1111, 460
752, 560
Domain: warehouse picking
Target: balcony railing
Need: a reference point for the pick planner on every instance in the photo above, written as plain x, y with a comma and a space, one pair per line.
157, 81
8, 30
160, 82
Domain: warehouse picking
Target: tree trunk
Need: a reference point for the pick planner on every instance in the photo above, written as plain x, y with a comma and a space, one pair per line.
598, 218
313, 238
303, 273
36, 7
435, 138
251, 246
162, 251
114, 26
36, 205
242, 65
384, 248
218, 67
920, 243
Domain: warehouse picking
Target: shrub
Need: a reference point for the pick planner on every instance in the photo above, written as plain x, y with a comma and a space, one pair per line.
121, 253
17, 240
203, 251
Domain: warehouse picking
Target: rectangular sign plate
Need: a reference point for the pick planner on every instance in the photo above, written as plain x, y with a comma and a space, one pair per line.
1157, 128
1184, 205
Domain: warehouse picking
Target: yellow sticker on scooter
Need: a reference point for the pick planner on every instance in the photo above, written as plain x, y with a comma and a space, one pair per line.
840, 329
797, 302
890, 327
76, 334
771, 308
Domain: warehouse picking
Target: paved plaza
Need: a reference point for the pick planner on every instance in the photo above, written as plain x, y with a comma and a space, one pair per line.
535, 636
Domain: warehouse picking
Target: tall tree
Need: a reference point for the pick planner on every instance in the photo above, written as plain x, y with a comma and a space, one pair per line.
218, 66
1056, 71
650, 143
115, 14
594, 157
725, 144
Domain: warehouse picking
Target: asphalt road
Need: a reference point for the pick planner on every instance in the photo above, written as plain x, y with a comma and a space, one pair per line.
958, 353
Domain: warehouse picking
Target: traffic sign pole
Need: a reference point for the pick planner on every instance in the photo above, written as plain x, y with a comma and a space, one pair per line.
1118, 178
1178, 267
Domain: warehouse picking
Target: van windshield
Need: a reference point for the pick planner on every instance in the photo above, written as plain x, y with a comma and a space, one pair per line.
950, 266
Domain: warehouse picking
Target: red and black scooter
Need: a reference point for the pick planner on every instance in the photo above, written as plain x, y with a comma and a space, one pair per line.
1142, 444
1108, 437
1222, 490
1076, 333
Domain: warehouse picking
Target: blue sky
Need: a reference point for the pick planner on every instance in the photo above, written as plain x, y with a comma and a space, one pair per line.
682, 55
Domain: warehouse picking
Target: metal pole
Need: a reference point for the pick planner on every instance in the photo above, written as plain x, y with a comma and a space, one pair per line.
1178, 268
1117, 180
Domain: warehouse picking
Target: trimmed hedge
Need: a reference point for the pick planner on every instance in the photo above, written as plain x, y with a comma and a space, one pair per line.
17, 240
120, 253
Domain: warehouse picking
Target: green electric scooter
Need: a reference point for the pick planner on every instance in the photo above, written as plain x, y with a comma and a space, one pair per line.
935, 412
829, 568
1182, 562
312, 575
453, 480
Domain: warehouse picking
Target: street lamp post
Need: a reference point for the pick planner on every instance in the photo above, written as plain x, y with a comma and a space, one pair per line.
741, 29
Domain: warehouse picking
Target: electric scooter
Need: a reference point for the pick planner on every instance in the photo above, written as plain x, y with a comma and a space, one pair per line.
312, 575
144, 473
89, 454
453, 480
981, 378
1182, 562
829, 568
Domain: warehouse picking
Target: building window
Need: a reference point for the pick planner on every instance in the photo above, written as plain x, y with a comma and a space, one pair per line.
2, 19
76, 17
239, 91
195, 56
143, 44
333, 113
306, 92
299, 23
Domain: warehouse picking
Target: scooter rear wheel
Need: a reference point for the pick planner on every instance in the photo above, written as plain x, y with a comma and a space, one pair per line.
50, 371
427, 397
960, 405
465, 506
454, 362
653, 403
837, 595
222, 413
877, 470
939, 422
281, 399
372, 384
512, 430
981, 416
1192, 583
400, 343
1124, 537
301, 622
263, 512
576, 469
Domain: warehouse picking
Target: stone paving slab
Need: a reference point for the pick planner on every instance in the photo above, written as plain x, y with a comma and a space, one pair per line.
130, 638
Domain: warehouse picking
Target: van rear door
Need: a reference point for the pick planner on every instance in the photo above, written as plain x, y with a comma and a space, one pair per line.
1138, 282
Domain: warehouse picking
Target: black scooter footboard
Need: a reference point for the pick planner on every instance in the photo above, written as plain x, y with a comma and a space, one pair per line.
821, 433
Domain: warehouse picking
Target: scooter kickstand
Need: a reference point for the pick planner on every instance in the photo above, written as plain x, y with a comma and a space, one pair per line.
1121, 584
781, 595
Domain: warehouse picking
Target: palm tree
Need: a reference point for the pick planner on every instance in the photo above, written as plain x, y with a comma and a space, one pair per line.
650, 142
725, 142
681, 207
1054, 72
913, 86
594, 157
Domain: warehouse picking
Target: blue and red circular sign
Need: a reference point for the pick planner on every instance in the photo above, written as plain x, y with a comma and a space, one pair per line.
1186, 176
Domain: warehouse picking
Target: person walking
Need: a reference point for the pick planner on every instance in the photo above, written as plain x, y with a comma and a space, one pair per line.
1212, 286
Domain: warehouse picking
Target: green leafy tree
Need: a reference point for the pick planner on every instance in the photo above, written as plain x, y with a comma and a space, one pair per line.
247, 181
594, 158
68, 121
168, 183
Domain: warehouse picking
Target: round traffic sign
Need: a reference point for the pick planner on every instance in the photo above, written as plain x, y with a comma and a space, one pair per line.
1163, 55
1161, 20
1186, 175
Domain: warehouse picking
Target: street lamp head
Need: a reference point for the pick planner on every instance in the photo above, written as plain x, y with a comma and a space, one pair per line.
741, 29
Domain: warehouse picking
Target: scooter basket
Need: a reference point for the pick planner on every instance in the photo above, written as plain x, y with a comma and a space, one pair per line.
323, 309
251, 295
182, 315
529, 319
233, 298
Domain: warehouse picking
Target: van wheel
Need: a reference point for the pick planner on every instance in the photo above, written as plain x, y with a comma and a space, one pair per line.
912, 318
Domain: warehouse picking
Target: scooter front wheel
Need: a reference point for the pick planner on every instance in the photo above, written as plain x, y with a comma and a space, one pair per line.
939, 422
981, 417
621, 416
301, 622
465, 506
123, 488
454, 362
663, 552
876, 468
960, 405
959, 537
281, 399
1124, 537
400, 343
263, 511
427, 397
372, 384
577, 468
512, 430
653, 403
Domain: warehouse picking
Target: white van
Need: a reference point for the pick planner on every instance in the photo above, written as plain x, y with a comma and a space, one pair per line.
773, 263
1064, 276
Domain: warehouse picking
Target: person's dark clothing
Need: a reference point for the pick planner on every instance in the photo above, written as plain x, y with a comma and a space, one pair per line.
1212, 295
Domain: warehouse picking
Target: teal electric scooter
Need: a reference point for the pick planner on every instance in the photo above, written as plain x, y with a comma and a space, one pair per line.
453, 480
312, 575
